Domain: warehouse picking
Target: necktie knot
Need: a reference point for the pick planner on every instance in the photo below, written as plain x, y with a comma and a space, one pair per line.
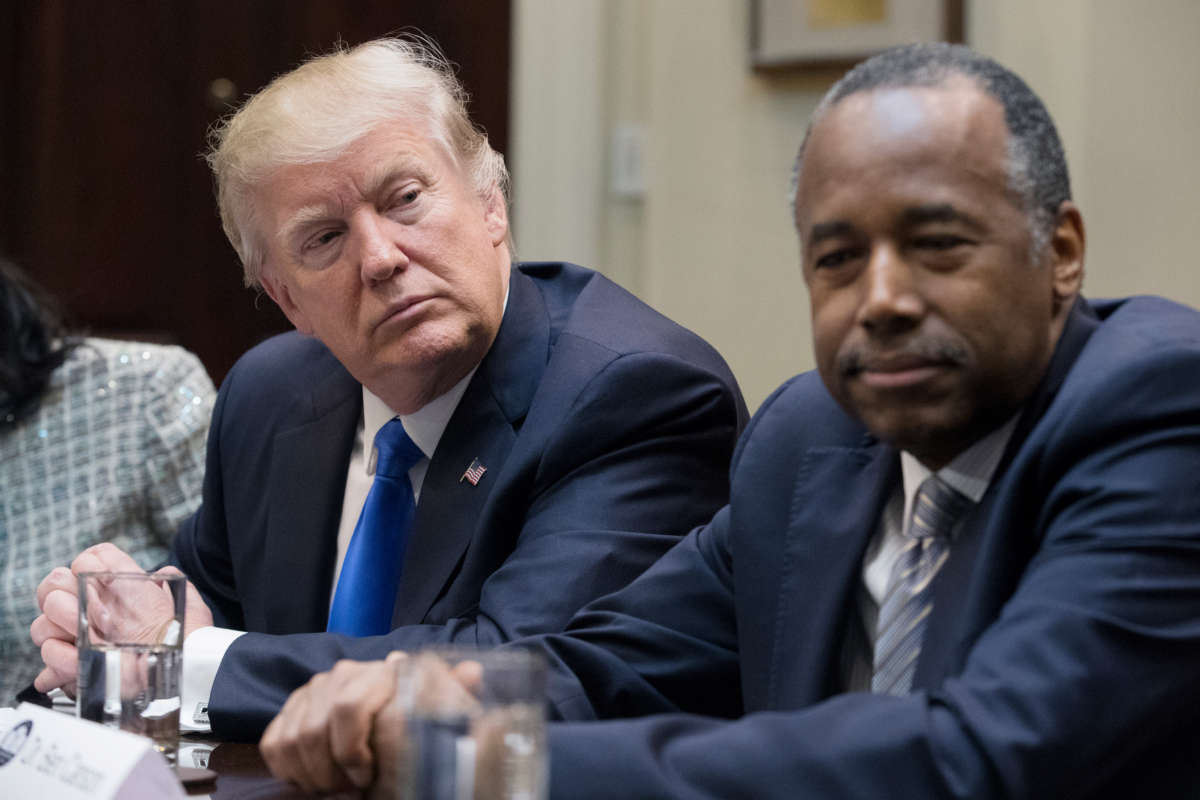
937, 508
397, 453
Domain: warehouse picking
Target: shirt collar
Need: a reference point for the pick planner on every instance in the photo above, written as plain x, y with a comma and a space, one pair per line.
971, 470
424, 426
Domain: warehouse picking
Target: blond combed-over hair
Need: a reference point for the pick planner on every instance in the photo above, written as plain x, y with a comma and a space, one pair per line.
314, 113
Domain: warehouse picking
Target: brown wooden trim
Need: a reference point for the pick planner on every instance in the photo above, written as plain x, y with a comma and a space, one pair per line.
953, 30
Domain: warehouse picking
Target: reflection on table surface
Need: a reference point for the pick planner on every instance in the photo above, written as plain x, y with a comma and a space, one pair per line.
241, 773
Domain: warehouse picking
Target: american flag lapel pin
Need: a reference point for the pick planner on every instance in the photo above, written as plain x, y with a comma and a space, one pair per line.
473, 473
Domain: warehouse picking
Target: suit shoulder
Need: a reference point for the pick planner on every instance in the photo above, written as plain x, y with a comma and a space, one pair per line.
1150, 320
287, 378
798, 423
1139, 371
802, 413
1143, 345
286, 359
586, 305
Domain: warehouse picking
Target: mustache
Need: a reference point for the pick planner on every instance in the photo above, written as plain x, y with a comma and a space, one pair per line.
934, 350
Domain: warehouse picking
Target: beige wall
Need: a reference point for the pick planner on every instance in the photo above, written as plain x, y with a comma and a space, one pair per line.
710, 241
1123, 81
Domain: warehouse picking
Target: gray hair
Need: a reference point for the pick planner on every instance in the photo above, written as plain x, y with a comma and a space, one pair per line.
1037, 168
315, 112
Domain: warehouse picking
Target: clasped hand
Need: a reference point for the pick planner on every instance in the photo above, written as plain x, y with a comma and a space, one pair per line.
346, 728
126, 616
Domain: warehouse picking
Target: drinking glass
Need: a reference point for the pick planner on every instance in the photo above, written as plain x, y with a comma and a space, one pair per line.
465, 724
130, 640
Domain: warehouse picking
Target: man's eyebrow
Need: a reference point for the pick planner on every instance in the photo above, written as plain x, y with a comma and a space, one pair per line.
829, 230
387, 172
303, 218
940, 212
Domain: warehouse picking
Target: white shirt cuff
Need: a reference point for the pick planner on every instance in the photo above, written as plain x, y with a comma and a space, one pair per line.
203, 650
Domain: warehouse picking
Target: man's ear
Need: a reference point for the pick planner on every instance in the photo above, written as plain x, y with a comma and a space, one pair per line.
277, 290
495, 216
1067, 245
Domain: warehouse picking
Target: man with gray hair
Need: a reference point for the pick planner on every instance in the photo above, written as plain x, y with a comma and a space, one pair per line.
450, 448
961, 559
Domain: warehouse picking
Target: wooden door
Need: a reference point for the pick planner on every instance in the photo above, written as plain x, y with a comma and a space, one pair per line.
104, 108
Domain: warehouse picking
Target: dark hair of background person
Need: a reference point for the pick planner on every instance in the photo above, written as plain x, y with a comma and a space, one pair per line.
33, 342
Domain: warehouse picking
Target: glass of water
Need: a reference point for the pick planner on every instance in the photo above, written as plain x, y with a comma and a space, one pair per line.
130, 640
464, 724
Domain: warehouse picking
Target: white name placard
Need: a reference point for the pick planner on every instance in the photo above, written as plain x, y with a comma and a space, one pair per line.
47, 754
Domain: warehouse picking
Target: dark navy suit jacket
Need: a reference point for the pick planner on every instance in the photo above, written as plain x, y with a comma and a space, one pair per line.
606, 431
1063, 655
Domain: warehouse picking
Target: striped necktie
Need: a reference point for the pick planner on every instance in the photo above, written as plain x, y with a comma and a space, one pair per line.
909, 598
366, 589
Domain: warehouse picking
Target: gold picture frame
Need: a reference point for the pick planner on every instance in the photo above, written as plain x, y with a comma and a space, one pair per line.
787, 35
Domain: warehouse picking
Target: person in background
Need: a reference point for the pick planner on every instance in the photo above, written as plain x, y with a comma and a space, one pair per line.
100, 441
960, 559
450, 447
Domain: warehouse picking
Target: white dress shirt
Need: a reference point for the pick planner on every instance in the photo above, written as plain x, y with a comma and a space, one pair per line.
204, 648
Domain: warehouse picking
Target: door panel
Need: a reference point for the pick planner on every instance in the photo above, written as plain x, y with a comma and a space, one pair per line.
104, 109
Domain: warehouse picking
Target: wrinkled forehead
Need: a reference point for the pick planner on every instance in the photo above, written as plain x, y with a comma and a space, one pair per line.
362, 165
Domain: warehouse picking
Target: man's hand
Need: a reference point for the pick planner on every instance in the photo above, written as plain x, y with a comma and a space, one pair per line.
346, 728
54, 631
319, 739
126, 616
196, 613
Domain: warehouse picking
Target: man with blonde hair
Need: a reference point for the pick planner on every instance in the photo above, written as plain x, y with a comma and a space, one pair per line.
451, 447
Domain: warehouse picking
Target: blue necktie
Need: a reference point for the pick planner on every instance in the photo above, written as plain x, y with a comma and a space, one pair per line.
909, 600
366, 590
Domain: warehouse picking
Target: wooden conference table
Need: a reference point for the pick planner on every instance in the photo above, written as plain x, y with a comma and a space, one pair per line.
241, 774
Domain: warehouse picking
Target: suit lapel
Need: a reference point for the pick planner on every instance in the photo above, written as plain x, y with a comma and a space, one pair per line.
483, 428
823, 565
304, 505
986, 559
